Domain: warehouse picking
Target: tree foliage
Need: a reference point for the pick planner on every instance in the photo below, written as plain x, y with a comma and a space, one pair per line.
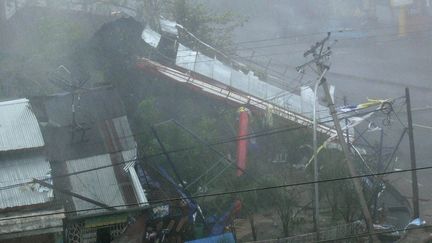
340, 196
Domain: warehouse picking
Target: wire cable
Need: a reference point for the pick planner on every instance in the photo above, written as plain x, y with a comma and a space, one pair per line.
325, 32
366, 234
263, 133
234, 53
224, 193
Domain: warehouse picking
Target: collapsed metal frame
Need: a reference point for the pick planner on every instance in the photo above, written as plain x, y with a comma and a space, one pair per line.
219, 90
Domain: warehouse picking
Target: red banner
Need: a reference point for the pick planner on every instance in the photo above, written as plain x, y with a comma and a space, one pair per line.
242, 142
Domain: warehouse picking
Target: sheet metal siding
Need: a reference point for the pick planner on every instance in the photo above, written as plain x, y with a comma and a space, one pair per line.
19, 128
21, 170
246, 82
168, 26
100, 185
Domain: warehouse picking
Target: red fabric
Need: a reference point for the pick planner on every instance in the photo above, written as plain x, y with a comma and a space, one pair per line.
237, 206
242, 142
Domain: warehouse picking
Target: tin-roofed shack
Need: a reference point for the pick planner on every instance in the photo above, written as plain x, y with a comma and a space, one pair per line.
93, 153
26, 209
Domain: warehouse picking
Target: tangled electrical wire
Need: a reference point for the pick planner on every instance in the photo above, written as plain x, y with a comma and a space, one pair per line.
387, 109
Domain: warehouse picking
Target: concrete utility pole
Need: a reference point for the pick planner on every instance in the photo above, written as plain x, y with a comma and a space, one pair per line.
415, 190
319, 54
349, 160
315, 154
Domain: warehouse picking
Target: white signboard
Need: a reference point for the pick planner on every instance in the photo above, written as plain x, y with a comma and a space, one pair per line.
401, 3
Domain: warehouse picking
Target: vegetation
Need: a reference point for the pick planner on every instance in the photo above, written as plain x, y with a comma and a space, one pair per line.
161, 106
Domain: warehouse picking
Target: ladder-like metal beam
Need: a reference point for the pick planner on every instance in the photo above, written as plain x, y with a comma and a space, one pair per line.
215, 88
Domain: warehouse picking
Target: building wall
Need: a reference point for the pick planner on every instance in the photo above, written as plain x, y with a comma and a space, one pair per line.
45, 238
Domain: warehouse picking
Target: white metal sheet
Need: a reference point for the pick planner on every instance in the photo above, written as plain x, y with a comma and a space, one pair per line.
151, 37
168, 26
204, 65
239, 81
186, 57
221, 72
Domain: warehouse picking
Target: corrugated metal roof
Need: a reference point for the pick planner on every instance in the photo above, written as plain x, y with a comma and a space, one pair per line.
246, 82
20, 169
19, 128
100, 185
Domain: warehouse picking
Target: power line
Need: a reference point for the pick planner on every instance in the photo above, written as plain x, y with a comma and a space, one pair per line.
280, 75
300, 51
267, 132
344, 38
362, 235
351, 236
299, 43
224, 193
324, 33
251, 134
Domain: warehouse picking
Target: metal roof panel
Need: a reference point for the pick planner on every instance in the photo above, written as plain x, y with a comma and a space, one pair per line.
21, 169
19, 128
100, 185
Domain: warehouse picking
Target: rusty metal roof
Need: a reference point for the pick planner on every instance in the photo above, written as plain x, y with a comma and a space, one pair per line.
23, 168
19, 128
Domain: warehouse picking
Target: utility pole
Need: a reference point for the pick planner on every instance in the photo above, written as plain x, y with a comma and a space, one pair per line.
346, 123
350, 163
319, 55
316, 217
415, 190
